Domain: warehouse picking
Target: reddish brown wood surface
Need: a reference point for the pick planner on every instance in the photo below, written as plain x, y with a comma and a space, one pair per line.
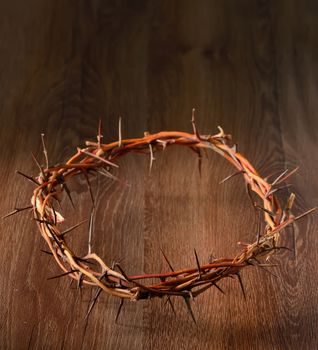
249, 66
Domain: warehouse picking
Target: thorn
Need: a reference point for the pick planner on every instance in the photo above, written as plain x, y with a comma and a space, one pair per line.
279, 177
119, 310
248, 190
270, 213
38, 165
198, 263
218, 287
171, 305
264, 269
93, 302
201, 290
263, 266
62, 274
45, 152
79, 281
167, 261
46, 252
305, 213
68, 192
273, 190
28, 177
187, 301
72, 228
258, 228
90, 231
195, 131
99, 136
89, 187
54, 213
122, 271
284, 178
108, 174
90, 154
16, 210
84, 260
151, 158
230, 176
241, 284
119, 132
198, 152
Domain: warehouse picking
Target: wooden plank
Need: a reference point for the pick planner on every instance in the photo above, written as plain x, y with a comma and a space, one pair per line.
247, 66
296, 46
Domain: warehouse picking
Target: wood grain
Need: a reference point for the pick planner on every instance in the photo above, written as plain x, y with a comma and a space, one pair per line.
249, 66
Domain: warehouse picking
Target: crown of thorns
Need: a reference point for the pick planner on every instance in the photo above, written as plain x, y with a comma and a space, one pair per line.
188, 282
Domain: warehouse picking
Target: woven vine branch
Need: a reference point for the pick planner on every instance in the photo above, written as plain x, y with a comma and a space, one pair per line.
187, 282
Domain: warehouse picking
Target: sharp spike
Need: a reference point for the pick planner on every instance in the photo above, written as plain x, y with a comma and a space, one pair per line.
263, 266
248, 190
62, 274
119, 132
284, 178
89, 187
305, 213
16, 210
230, 176
54, 215
189, 308
265, 269
72, 228
279, 177
90, 231
79, 281
201, 290
241, 284
119, 310
199, 154
99, 136
93, 302
68, 192
271, 214
274, 190
198, 263
38, 165
195, 131
90, 154
30, 178
45, 152
171, 305
46, 252
122, 271
167, 261
151, 158
108, 174
258, 228
218, 287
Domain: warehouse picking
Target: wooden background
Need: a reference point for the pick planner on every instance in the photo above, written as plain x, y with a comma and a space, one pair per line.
250, 66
